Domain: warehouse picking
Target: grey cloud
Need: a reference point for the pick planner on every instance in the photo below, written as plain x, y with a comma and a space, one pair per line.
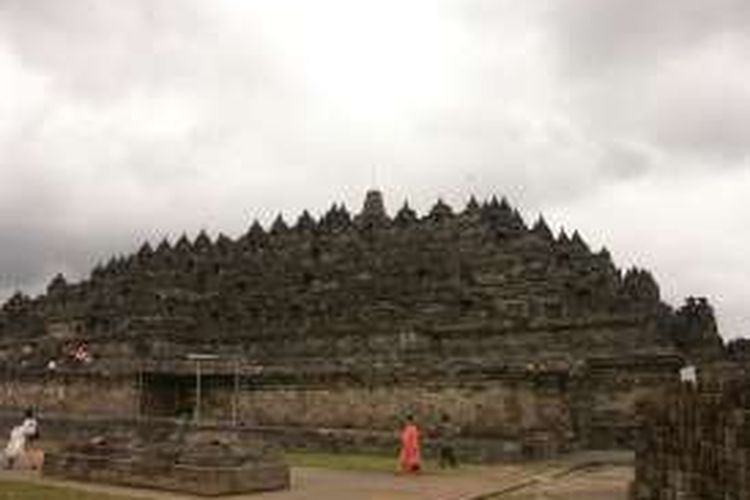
31, 256
712, 124
612, 36
98, 51
668, 75
625, 161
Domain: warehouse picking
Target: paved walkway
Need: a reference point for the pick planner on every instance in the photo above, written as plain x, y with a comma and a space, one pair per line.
597, 483
346, 485
468, 483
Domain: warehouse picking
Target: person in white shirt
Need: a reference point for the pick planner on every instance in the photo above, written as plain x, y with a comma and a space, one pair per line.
16, 447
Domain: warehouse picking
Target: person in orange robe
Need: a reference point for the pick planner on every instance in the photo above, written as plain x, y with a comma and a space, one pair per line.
410, 458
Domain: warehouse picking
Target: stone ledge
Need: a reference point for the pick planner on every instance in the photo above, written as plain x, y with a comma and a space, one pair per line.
183, 478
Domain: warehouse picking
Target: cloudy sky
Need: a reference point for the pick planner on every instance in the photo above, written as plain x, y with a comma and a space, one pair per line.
134, 120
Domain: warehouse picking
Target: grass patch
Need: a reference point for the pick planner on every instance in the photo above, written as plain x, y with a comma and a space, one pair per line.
19, 490
349, 461
342, 461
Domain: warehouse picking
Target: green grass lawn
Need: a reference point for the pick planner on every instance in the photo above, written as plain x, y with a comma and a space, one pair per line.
19, 490
349, 461
346, 461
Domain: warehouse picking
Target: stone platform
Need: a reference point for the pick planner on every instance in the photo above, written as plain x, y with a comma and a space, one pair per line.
174, 458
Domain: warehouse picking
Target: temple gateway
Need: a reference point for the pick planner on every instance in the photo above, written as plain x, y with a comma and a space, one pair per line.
326, 332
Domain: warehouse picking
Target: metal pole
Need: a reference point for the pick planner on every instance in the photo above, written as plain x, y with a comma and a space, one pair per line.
139, 400
236, 398
197, 412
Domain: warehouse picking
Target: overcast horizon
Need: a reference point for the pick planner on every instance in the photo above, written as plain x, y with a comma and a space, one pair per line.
138, 120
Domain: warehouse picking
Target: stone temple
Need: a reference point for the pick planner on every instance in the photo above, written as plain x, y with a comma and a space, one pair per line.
326, 332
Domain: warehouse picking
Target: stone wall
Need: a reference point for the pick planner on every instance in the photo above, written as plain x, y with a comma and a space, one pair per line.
488, 409
70, 393
696, 445
606, 398
535, 408
494, 408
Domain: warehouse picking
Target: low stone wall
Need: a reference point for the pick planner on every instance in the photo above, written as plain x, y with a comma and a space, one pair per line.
197, 480
696, 446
